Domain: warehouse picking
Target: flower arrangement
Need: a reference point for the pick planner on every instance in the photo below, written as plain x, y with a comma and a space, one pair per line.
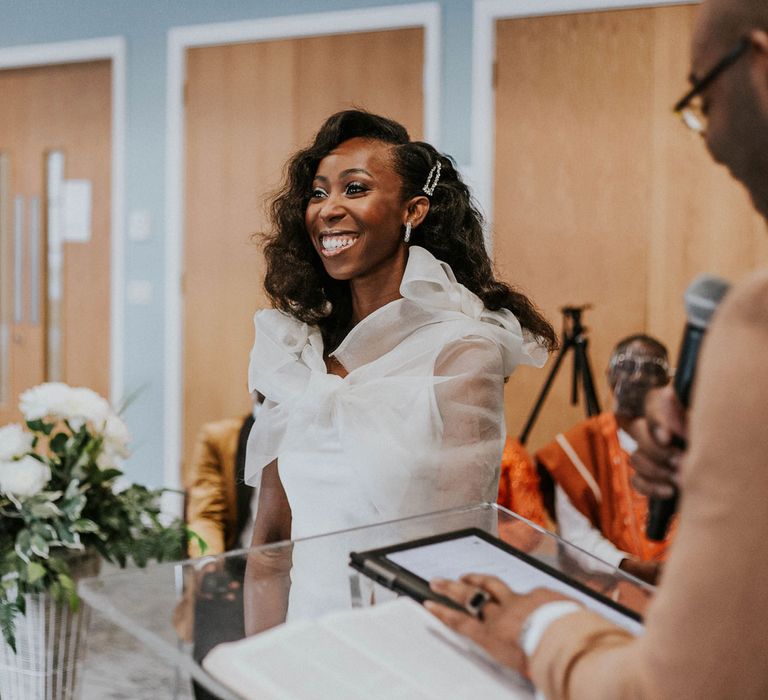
59, 492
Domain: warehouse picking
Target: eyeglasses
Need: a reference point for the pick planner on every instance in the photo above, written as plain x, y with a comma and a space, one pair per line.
655, 369
690, 107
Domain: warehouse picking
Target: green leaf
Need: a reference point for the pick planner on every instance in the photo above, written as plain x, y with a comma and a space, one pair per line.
58, 565
7, 615
39, 545
23, 545
48, 531
192, 536
40, 426
110, 474
49, 495
58, 443
44, 510
56, 592
68, 537
85, 525
73, 489
72, 507
69, 590
35, 572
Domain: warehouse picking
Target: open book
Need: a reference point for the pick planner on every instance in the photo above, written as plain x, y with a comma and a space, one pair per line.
391, 650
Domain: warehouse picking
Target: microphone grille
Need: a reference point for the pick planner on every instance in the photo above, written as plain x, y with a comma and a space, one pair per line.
702, 297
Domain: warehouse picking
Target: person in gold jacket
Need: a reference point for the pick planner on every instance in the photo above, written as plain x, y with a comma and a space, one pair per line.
704, 632
218, 505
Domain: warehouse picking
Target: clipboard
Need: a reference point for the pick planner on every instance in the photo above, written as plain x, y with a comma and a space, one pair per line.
407, 567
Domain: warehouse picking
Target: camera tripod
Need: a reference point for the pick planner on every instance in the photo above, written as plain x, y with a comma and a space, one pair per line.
574, 338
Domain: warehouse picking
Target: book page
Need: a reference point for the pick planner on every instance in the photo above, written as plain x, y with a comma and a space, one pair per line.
452, 559
395, 650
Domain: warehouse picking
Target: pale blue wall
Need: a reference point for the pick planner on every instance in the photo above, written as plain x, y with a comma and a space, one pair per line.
144, 24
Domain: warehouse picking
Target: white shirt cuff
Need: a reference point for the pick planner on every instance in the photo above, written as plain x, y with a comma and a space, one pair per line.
537, 622
576, 528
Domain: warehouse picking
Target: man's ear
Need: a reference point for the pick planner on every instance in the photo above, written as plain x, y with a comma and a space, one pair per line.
417, 210
759, 41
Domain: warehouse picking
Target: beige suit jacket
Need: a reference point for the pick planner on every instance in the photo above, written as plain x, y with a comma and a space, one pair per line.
707, 629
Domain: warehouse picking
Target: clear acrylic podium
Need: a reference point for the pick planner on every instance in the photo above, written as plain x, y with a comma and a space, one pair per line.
177, 612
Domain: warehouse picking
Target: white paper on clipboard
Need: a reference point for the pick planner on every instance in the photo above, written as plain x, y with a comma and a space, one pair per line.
453, 558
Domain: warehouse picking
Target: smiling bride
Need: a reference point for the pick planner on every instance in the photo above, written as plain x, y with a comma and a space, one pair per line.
384, 360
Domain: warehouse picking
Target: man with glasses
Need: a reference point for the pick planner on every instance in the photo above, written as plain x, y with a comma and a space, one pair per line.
705, 629
587, 473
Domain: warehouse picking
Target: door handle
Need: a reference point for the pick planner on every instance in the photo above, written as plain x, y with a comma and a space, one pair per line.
55, 251
18, 258
5, 288
5, 352
34, 260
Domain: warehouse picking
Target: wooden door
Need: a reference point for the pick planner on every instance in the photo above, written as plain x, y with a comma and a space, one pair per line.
602, 197
54, 297
248, 108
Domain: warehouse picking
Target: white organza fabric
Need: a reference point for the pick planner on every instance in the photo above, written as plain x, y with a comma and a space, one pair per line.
416, 426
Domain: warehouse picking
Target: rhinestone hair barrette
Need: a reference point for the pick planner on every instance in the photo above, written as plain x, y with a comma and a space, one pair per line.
432, 179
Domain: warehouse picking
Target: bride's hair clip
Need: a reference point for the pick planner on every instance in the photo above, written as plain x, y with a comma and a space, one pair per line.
432, 179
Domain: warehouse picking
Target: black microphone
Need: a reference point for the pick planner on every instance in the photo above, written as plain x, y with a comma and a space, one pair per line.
701, 299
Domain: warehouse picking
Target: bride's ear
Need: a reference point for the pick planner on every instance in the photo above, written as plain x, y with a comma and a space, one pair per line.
417, 210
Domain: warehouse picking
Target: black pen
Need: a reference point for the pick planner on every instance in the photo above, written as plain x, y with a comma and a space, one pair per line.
407, 583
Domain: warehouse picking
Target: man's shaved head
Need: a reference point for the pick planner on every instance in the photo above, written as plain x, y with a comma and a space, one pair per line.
736, 102
724, 22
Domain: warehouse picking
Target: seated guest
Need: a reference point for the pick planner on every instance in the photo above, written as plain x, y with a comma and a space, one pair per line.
596, 507
219, 505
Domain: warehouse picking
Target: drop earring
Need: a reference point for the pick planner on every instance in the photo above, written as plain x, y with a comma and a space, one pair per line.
407, 236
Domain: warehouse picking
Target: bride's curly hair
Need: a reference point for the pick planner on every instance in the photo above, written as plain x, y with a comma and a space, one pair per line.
296, 281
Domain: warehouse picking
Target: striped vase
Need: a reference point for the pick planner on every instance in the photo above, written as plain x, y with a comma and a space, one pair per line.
50, 644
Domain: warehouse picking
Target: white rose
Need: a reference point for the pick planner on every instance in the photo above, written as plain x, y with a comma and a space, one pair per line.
14, 441
86, 406
77, 405
24, 478
37, 402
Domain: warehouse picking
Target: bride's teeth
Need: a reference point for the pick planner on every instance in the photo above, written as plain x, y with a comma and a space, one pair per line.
329, 243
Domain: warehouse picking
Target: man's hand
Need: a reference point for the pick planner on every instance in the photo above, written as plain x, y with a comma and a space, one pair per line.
661, 440
498, 629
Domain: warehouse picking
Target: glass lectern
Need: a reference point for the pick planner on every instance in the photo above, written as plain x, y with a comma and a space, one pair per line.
178, 612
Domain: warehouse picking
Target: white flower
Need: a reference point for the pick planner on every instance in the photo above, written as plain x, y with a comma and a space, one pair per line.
86, 405
58, 401
14, 441
115, 445
39, 401
23, 478
116, 436
106, 460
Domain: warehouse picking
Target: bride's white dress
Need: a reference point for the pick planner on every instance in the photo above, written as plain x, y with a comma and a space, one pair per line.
416, 426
